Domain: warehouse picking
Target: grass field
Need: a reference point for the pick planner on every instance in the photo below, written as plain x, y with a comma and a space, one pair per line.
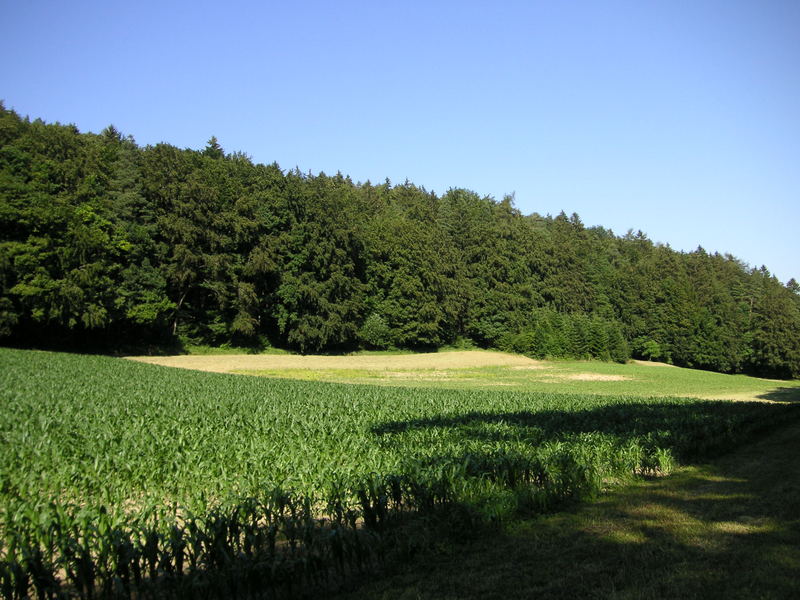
125, 478
487, 370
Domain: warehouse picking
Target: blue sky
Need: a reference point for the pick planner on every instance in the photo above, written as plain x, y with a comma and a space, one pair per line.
678, 118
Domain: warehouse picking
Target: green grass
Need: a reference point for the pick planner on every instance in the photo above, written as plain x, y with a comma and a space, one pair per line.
567, 377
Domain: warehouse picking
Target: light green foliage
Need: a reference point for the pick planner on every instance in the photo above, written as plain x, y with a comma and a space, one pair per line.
649, 349
375, 333
95, 449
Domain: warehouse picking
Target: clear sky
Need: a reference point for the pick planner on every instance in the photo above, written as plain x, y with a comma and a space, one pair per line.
680, 118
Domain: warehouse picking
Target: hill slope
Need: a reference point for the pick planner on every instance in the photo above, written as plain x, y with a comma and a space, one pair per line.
104, 245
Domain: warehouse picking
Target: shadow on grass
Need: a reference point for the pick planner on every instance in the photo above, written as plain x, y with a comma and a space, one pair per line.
692, 428
726, 530
782, 394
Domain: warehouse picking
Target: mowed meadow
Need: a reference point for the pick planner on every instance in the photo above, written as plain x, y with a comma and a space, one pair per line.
493, 370
129, 480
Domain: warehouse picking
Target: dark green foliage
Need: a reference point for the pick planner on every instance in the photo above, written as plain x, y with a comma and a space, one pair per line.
410, 269
102, 241
556, 335
774, 330
320, 294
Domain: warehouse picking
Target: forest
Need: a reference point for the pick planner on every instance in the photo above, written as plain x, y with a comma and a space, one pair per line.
108, 246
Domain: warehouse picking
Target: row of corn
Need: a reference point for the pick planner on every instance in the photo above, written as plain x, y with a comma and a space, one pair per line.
280, 543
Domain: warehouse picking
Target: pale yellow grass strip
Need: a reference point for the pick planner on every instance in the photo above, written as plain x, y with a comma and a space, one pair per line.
250, 362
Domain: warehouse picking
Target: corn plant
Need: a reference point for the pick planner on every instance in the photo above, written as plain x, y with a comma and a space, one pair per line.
124, 480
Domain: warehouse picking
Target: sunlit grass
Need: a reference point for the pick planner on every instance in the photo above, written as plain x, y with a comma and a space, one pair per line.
572, 377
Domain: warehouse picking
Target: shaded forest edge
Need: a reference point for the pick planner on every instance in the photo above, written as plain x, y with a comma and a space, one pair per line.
108, 246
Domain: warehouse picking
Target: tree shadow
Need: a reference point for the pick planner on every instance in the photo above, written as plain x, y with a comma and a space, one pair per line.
726, 530
782, 394
692, 428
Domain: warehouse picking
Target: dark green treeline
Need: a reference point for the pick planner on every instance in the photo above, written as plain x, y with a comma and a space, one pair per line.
104, 244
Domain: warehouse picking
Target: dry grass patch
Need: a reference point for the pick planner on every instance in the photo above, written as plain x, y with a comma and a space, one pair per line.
651, 363
416, 374
597, 377
410, 362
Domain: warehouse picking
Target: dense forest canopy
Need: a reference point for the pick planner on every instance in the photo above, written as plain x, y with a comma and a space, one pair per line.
107, 244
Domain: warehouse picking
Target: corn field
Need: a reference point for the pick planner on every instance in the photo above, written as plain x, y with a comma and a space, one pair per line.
124, 480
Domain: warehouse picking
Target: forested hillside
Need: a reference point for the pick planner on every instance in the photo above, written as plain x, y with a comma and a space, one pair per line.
104, 243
